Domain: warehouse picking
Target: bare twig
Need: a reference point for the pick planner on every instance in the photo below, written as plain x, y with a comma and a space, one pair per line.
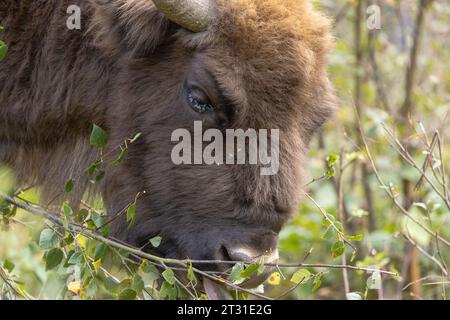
332, 224
389, 191
183, 263
426, 254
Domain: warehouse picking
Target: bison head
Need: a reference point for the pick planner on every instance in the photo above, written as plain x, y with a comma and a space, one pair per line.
229, 64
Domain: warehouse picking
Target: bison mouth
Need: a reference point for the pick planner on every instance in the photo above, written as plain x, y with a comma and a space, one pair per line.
212, 278
215, 290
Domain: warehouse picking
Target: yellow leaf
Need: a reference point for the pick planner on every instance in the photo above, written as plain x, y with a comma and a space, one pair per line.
274, 279
74, 287
97, 264
82, 241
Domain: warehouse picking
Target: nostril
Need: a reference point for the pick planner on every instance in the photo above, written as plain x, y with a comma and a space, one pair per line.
247, 255
234, 254
224, 254
243, 254
239, 254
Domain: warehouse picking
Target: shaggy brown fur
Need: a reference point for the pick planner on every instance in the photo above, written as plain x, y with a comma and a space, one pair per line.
262, 63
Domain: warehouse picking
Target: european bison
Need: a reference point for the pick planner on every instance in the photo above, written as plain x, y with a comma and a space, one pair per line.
155, 67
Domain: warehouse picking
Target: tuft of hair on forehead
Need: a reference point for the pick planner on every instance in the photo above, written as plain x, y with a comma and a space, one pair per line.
249, 25
264, 23
289, 29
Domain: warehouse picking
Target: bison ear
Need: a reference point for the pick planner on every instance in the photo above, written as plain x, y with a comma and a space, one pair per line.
135, 27
324, 105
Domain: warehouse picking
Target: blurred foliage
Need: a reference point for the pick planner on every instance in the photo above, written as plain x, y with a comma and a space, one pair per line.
346, 218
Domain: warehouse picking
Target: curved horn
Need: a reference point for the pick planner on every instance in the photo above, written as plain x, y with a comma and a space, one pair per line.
194, 15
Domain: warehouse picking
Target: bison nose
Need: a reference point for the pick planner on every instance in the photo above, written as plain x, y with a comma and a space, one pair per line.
244, 254
262, 247
265, 252
252, 256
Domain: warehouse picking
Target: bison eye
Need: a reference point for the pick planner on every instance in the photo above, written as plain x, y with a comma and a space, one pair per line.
199, 101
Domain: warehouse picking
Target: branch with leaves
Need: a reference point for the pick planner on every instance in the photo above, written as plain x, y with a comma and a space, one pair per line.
240, 271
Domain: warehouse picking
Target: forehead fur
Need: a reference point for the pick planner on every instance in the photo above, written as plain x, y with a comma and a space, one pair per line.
275, 53
271, 53
270, 24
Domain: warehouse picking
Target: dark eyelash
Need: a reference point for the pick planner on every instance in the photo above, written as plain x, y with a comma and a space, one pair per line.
197, 105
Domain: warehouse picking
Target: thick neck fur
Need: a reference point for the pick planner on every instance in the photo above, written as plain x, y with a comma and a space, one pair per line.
56, 82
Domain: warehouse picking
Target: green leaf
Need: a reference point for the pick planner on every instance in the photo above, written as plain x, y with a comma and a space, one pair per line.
150, 271
358, 237
120, 157
53, 258
131, 215
250, 270
147, 267
326, 222
69, 185
156, 241
48, 239
354, 296
169, 276
236, 272
68, 211
330, 173
105, 231
97, 219
317, 282
300, 276
359, 213
138, 283
337, 249
8, 265
97, 264
100, 251
91, 288
190, 274
75, 258
261, 267
168, 291
111, 285
127, 294
69, 255
374, 281
93, 167
3, 50
98, 137
81, 216
8, 212
332, 159
100, 176
125, 283
339, 226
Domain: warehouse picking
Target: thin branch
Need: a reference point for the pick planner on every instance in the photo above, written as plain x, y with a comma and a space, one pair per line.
183, 263
389, 192
332, 224
426, 254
